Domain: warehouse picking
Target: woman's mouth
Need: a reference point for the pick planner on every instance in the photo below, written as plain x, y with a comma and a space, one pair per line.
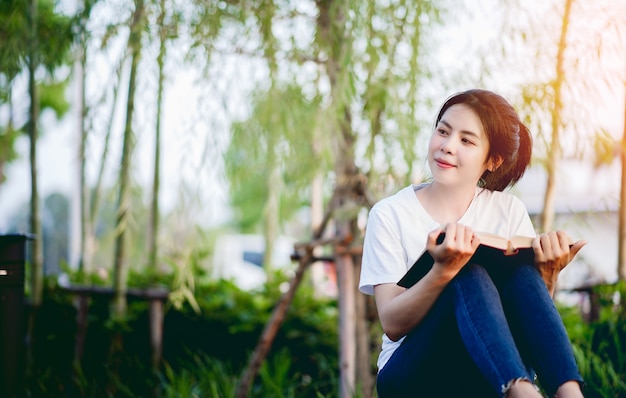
443, 164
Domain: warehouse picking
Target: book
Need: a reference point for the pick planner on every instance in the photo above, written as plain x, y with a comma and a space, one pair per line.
492, 249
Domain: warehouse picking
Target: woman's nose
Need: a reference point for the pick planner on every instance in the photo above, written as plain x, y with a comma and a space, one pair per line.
448, 145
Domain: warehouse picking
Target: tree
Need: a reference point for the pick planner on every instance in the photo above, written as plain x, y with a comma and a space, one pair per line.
35, 39
120, 270
554, 151
353, 49
55, 229
621, 256
567, 75
156, 181
82, 41
13, 31
588, 61
96, 193
166, 31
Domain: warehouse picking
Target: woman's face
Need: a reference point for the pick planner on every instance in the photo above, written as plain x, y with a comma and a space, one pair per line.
458, 148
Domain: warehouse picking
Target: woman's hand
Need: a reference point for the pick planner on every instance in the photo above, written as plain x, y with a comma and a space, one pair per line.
552, 253
458, 246
400, 309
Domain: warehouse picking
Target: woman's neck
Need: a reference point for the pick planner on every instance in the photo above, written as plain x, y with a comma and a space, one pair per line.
446, 204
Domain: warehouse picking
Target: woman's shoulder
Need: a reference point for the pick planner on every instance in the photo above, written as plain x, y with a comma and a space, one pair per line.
398, 206
401, 198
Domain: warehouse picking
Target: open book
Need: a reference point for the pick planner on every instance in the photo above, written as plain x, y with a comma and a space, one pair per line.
493, 249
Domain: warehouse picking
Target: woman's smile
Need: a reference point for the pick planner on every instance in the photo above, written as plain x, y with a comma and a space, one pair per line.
444, 164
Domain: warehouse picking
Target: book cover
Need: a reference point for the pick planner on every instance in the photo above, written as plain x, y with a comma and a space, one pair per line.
492, 249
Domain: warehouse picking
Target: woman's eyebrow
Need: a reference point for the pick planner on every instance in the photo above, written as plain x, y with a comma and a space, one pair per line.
441, 121
448, 125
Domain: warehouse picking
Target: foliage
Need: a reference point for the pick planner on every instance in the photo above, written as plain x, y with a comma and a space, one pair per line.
203, 377
599, 345
591, 64
54, 36
281, 128
203, 353
212, 377
303, 354
8, 135
53, 30
347, 83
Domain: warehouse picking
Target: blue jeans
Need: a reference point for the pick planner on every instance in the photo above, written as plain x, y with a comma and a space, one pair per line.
491, 325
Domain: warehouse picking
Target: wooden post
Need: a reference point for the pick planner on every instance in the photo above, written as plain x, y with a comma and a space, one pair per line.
347, 324
363, 370
82, 307
155, 297
156, 329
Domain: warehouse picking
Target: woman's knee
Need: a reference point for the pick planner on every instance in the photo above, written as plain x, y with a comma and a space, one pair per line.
523, 279
474, 278
472, 272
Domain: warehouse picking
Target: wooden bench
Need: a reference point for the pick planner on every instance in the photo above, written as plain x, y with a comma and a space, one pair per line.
155, 297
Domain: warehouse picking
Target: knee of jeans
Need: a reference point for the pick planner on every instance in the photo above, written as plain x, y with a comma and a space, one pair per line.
472, 273
527, 272
473, 270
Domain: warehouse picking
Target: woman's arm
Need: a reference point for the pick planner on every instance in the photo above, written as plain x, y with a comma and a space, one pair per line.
400, 309
552, 254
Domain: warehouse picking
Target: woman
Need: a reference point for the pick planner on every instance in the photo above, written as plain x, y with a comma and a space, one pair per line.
468, 329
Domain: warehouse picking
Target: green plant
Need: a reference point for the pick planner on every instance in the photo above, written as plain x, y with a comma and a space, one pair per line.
602, 380
599, 345
277, 378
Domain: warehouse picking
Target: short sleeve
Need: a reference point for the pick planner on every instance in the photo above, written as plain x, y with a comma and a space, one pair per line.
521, 224
384, 258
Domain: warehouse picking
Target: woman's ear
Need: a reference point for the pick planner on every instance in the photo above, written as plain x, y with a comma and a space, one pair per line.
494, 162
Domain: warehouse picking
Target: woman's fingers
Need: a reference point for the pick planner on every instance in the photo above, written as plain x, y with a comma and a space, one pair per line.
555, 250
433, 236
459, 238
573, 251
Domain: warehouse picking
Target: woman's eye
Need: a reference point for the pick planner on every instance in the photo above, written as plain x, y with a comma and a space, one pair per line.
442, 132
466, 141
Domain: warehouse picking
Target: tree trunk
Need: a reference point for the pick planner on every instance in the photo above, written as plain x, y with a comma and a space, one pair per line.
156, 182
97, 191
120, 271
84, 261
331, 33
35, 217
271, 212
554, 154
621, 256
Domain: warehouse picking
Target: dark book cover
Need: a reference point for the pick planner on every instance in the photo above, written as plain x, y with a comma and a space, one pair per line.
484, 255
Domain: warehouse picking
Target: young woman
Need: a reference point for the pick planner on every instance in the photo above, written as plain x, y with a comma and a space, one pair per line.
468, 329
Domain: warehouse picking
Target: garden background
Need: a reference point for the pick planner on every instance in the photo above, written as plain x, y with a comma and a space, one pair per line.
134, 134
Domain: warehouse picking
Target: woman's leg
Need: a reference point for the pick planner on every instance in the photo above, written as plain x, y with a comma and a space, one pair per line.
536, 325
484, 328
432, 360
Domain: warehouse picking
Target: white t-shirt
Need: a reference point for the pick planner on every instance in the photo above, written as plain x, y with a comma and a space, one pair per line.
398, 227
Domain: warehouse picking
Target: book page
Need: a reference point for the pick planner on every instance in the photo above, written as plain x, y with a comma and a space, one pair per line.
503, 243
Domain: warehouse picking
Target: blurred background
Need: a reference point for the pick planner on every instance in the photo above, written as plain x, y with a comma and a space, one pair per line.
207, 158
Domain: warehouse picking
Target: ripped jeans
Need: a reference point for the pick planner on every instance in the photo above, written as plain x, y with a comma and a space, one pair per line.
490, 326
